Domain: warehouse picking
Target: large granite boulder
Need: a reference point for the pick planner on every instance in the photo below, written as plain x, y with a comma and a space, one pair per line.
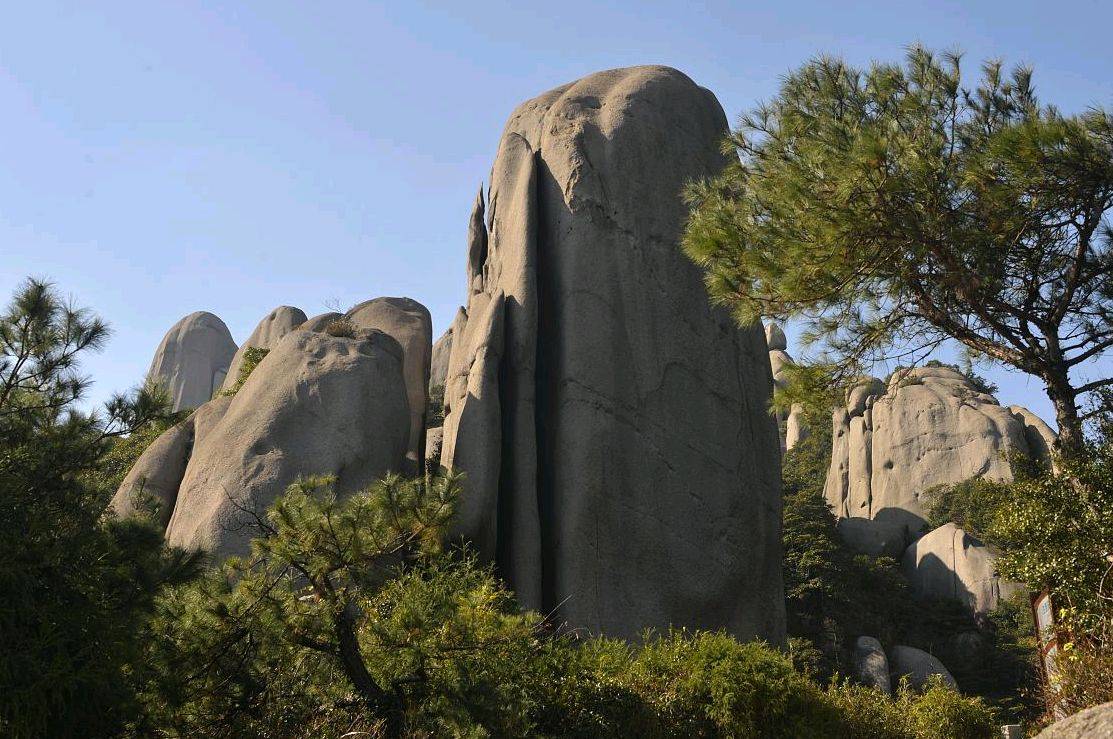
949, 563
1093, 723
871, 666
928, 426
918, 666
192, 360
276, 324
316, 405
622, 467
320, 322
407, 322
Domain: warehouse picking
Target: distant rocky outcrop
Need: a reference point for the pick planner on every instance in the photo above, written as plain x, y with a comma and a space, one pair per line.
892, 442
192, 360
276, 324
949, 563
790, 424
315, 405
442, 352
622, 468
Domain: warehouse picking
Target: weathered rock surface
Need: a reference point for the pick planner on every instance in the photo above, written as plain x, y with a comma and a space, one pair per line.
433, 439
1093, 723
949, 563
316, 405
871, 666
276, 324
918, 666
408, 322
775, 337
192, 360
621, 464
929, 426
442, 351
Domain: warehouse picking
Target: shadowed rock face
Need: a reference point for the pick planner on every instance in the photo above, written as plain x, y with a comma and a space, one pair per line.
192, 360
1093, 723
622, 468
928, 427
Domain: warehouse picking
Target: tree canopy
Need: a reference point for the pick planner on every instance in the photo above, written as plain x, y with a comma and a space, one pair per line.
893, 209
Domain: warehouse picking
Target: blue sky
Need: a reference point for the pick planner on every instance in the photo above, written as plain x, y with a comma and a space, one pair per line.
158, 158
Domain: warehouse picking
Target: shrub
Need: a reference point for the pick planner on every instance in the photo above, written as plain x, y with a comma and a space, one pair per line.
341, 327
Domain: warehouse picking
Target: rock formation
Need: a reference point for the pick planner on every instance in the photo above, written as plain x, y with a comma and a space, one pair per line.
1093, 723
442, 351
871, 666
949, 563
316, 405
918, 666
791, 425
622, 468
408, 322
192, 360
276, 324
929, 426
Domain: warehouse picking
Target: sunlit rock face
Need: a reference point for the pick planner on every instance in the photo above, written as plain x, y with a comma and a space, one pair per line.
891, 443
192, 360
622, 466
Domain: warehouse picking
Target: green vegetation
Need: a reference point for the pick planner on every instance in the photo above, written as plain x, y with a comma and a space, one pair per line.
434, 413
252, 356
349, 617
341, 327
894, 209
77, 586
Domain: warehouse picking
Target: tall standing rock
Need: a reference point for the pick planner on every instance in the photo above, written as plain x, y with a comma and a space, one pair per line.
949, 563
407, 322
623, 469
192, 360
276, 324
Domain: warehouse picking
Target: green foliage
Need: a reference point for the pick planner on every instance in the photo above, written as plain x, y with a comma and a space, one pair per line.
893, 209
935, 713
76, 587
252, 356
1057, 532
981, 384
972, 504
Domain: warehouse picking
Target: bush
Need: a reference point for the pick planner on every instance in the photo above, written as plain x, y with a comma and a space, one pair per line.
342, 327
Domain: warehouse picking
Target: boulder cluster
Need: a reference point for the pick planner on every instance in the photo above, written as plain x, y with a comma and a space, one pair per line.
894, 442
622, 469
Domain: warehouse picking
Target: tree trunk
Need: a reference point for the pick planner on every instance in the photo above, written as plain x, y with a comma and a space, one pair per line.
377, 699
1070, 442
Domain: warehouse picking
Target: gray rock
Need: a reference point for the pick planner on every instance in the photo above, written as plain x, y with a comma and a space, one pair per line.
949, 563
622, 466
433, 439
276, 324
918, 666
775, 337
928, 427
795, 428
1040, 437
871, 666
408, 322
316, 405
1093, 723
442, 350
192, 360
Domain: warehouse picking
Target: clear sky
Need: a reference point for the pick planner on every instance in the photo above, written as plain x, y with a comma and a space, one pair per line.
158, 158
